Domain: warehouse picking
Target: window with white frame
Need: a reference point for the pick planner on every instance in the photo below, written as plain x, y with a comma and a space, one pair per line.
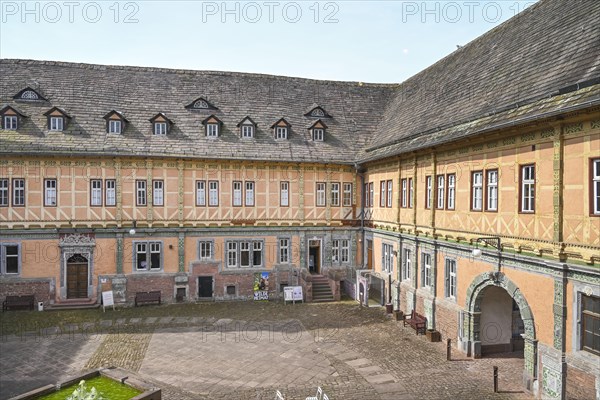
491, 203
318, 134
387, 258
390, 191
335, 194
158, 197
237, 193
96, 192
590, 324
10, 122
18, 192
335, 251
382, 193
10, 259
56, 123
411, 190
205, 250
428, 192
406, 264
320, 194
366, 195
244, 254
426, 270
148, 256
451, 191
50, 192
347, 201
200, 193
281, 132
284, 194
528, 188
111, 192
441, 191
212, 130
284, 250
371, 194
213, 193
249, 193
4, 192
595, 189
404, 195
345, 251
114, 126
450, 278
476, 190
247, 131
140, 193
160, 128
232, 254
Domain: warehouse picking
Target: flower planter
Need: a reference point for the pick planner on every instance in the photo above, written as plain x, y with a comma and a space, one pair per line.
399, 315
433, 335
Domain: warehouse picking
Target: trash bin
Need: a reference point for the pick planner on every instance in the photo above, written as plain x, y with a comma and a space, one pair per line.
40, 306
389, 308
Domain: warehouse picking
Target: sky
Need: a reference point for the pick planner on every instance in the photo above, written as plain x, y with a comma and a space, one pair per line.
364, 41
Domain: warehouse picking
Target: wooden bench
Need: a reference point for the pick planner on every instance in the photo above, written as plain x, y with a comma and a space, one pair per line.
147, 297
417, 322
18, 302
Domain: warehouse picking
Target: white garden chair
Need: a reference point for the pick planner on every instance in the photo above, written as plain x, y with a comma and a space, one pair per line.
279, 396
318, 396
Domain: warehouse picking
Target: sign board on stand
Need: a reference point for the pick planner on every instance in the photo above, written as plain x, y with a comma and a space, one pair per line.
293, 294
107, 300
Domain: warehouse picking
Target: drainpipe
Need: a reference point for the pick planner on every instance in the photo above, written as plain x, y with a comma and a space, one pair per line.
360, 173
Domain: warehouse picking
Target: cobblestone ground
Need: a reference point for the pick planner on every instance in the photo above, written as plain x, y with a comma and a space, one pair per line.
249, 350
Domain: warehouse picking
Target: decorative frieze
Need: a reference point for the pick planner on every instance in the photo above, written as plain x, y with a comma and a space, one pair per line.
596, 125
574, 128
546, 133
527, 137
509, 141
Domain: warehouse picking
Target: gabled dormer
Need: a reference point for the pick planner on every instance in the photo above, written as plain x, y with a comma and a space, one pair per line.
11, 118
115, 122
317, 111
58, 119
28, 94
317, 131
281, 129
201, 104
161, 125
247, 128
212, 126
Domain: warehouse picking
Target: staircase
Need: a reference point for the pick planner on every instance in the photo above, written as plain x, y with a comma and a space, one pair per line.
72, 304
320, 289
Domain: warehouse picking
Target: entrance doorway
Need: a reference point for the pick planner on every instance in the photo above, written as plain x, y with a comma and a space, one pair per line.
502, 327
77, 277
369, 254
314, 256
205, 287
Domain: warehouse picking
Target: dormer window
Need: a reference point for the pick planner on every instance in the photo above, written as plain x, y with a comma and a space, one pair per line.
317, 112
115, 122
10, 118
212, 126
281, 129
247, 128
161, 125
28, 94
200, 104
318, 131
57, 119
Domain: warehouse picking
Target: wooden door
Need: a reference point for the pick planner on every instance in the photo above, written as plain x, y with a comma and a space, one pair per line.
77, 277
369, 254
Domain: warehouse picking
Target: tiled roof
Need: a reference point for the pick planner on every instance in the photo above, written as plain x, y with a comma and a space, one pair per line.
515, 73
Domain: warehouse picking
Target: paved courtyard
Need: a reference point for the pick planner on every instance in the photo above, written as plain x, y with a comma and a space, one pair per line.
247, 351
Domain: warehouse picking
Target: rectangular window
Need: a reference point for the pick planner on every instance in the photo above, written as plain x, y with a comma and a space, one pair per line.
371, 194
50, 192
382, 193
366, 194
595, 187
451, 191
201, 193
205, 251
155, 255
390, 191
56, 123
335, 251
237, 193
247, 131
114, 126
232, 254
528, 188
96, 192
590, 324
250, 254
476, 190
345, 251
10, 122
347, 202
3, 192
441, 191
335, 194
387, 255
111, 192
411, 191
18, 192
284, 194
160, 128
404, 199
321, 194
318, 134
257, 254
213, 193
491, 188
425, 270
148, 256
141, 256
250, 193
140, 193
11, 259
158, 198
212, 130
406, 264
284, 251
245, 254
281, 132
450, 278
428, 191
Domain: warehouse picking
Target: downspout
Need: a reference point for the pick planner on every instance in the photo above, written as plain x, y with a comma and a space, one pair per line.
360, 173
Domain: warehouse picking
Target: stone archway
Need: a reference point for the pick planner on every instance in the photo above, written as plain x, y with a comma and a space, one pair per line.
472, 324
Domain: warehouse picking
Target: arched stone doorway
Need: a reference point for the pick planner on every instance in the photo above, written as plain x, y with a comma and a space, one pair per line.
77, 277
491, 292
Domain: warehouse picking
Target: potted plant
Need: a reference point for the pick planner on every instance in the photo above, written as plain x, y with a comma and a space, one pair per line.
433, 335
